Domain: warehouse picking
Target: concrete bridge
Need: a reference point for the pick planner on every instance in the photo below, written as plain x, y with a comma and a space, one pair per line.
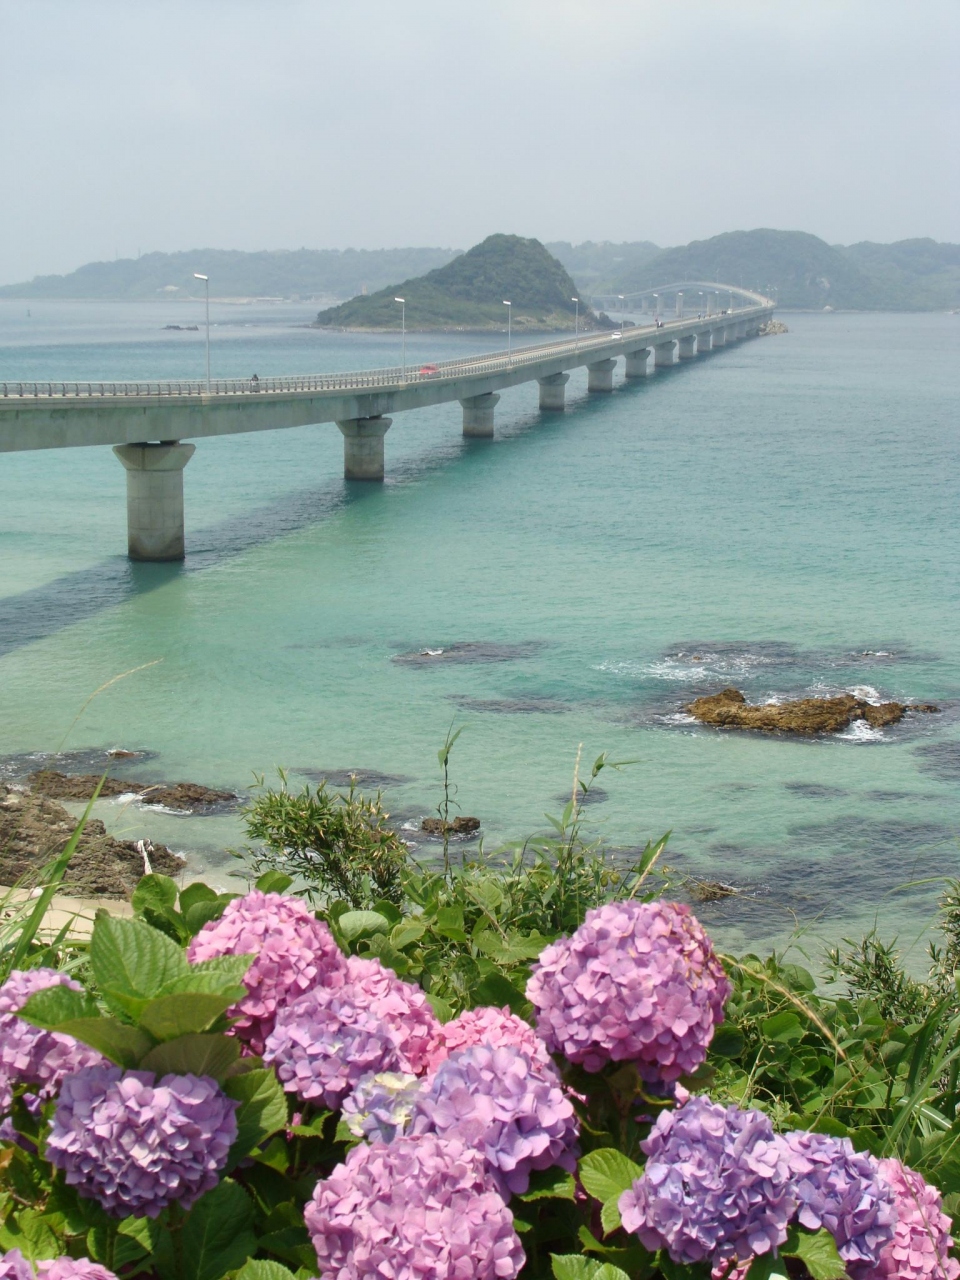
147, 423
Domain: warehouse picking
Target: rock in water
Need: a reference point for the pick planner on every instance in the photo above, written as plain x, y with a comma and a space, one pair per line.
186, 797
729, 710
458, 827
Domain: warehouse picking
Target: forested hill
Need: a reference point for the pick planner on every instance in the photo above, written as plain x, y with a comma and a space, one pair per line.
305, 273
469, 293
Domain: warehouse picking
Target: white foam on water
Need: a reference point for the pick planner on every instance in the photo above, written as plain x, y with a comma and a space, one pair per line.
860, 731
868, 693
678, 717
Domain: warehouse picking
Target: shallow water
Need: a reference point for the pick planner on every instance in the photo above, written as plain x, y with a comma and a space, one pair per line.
782, 516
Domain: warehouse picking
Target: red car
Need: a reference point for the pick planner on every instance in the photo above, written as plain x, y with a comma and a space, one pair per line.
426, 370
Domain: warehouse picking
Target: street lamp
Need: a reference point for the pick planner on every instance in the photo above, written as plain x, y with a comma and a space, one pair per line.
700, 291
403, 331
206, 281
656, 306
623, 312
576, 325
509, 306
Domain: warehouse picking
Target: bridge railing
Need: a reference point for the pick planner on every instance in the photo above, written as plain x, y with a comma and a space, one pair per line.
359, 380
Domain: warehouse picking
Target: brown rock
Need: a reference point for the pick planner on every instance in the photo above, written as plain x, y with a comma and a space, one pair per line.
188, 797
458, 827
34, 829
729, 709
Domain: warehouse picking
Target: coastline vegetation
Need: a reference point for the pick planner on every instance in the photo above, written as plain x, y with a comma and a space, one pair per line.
282, 1070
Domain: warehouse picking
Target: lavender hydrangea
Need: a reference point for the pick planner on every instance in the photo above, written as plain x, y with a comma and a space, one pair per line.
921, 1240
29, 1055
637, 982
326, 1042
294, 953
136, 1144
510, 1107
491, 1026
73, 1269
381, 1104
418, 1208
842, 1190
413, 1026
14, 1266
717, 1185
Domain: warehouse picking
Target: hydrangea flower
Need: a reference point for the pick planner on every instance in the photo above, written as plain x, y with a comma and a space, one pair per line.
294, 952
637, 982
512, 1109
413, 1026
136, 1144
14, 1266
29, 1055
921, 1240
491, 1026
73, 1269
842, 1190
416, 1209
717, 1185
381, 1104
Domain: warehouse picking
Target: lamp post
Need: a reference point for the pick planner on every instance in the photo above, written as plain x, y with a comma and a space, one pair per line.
656, 306
206, 281
403, 332
509, 306
576, 325
623, 312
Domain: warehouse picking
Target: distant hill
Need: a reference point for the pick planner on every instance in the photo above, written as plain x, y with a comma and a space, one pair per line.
807, 273
468, 293
599, 267
305, 273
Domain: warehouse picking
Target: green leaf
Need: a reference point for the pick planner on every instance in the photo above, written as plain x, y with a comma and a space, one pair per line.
785, 1027
610, 1214
201, 913
767, 1267
219, 976
154, 891
274, 882
131, 962
261, 1269
55, 1005
607, 1173
498, 990
728, 1041
185, 1013
515, 950
217, 1236
32, 1234
354, 923
407, 932
122, 1044
817, 1251
441, 1008
573, 1266
449, 924
389, 910
194, 893
550, 1184
262, 1110
199, 1055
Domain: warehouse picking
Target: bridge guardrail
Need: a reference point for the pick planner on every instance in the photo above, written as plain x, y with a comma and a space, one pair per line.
361, 380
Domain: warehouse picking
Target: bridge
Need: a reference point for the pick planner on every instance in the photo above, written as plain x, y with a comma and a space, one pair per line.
149, 423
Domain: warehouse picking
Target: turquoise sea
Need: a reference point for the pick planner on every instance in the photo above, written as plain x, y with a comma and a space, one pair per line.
783, 517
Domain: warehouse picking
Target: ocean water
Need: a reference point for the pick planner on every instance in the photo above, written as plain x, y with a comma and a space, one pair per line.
783, 517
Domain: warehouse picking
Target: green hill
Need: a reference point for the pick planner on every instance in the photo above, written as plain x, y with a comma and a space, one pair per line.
599, 266
468, 293
911, 274
305, 273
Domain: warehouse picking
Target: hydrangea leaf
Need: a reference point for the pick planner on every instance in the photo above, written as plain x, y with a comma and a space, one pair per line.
55, 1005
155, 891
607, 1173
550, 1184
122, 1044
727, 1042
200, 1055
216, 1237
818, 1252
186, 1013
274, 882
130, 959
353, 924
262, 1110
766, 1267
498, 990
217, 975
194, 893
261, 1269
610, 1214
573, 1266
32, 1234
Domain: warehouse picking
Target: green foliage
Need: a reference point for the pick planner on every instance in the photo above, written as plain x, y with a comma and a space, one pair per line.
337, 843
179, 913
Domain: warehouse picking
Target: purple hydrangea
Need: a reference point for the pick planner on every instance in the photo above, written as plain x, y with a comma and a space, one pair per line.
29, 1055
294, 953
381, 1104
325, 1043
717, 1185
415, 1209
638, 982
136, 1144
14, 1266
512, 1109
413, 1026
921, 1241
73, 1269
492, 1026
842, 1190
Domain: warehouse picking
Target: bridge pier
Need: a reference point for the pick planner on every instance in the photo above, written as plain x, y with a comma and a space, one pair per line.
478, 416
663, 355
553, 391
719, 338
704, 342
600, 375
636, 363
363, 447
688, 347
155, 498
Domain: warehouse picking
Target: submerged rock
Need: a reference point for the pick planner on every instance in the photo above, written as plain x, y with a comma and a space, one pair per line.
186, 797
34, 829
729, 710
458, 827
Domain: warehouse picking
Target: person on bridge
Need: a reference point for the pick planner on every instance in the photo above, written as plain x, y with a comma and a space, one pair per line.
254, 383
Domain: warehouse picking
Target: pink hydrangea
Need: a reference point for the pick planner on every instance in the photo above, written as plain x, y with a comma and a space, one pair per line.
638, 982
29, 1055
921, 1240
413, 1026
14, 1266
294, 952
413, 1209
73, 1269
490, 1026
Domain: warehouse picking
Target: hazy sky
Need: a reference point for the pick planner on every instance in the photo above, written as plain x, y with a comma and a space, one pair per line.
133, 125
